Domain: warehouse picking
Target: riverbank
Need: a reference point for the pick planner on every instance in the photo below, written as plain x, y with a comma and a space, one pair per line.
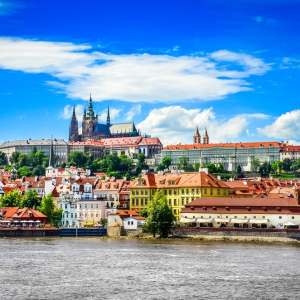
243, 239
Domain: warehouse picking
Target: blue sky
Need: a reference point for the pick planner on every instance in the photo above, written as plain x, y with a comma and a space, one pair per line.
230, 66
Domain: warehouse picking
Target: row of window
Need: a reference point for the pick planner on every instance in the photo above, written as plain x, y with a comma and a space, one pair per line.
81, 206
139, 202
142, 192
194, 191
66, 215
235, 217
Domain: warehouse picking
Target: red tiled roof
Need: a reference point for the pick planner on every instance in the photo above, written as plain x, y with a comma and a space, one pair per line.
87, 143
236, 145
123, 141
150, 141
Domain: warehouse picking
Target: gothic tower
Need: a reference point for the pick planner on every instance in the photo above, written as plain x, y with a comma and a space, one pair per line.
89, 122
73, 133
205, 137
197, 137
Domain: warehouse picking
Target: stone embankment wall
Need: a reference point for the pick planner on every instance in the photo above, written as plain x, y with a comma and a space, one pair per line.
285, 233
28, 233
120, 231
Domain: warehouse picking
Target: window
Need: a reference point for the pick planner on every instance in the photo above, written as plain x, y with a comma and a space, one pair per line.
175, 212
66, 206
142, 192
205, 191
211, 191
263, 217
146, 201
137, 192
61, 206
224, 192
133, 201
92, 215
293, 217
175, 192
170, 192
80, 206
96, 215
235, 217
137, 201
91, 205
142, 201
97, 205
218, 191
85, 205
165, 192
131, 222
128, 223
187, 191
170, 203
182, 191
254, 217
133, 192
146, 192
75, 215
72, 215
197, 191
245, 217
280, 217
182, 201
175, 202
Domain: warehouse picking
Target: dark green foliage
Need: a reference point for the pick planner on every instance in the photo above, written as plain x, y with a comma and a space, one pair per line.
77, 159
184, 164
3, 159
115, 174
143, 213
160, 215
211, 168
38, 171
265, 168
239, 169
165, 164
24, 171
141, 163
286, 164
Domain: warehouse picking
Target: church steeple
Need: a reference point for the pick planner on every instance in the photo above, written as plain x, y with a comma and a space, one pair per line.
73, 133
205, 137
108, 117
197, 136
90, 112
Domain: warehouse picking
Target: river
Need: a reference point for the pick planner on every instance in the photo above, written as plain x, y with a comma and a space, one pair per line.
98, 268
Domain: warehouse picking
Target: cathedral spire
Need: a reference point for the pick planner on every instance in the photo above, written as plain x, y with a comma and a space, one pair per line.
108, 117
74, 114
205, 137
197, 136
90, 112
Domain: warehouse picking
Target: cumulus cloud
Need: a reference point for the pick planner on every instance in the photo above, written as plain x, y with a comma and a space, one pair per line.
113, 113
67, 112
175, 124
287, 126
135, 110
77, 70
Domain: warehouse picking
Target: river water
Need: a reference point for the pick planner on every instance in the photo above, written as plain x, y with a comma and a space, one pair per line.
97, 268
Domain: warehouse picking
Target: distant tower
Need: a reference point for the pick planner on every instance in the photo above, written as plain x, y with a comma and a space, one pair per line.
73, 133
108, 118
89, 123
197, 137
205, 137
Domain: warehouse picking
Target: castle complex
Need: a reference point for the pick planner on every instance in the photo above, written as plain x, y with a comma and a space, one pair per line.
92, 130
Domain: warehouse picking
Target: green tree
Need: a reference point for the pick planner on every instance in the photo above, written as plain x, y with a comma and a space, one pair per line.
31, 199
286, 164
78, 159
196, 167
160, 215
255, 163
13, 199
126, 164
39, 158
38, 171
63, 165
277, 166
295, 165
23, 161
24, 171
211, 168
265, 168
184, 164
239, 169
220, 168
3, 159
14, 157
141, 163
116, 174
165, 164
48, 208
128, 176
103, 222
143, 213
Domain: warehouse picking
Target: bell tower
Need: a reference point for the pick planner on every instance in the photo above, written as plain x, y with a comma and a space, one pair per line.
205, 137
197, 136
73, 132
89, 122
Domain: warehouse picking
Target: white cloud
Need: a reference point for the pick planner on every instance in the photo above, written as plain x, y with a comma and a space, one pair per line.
252, 65
113, 113
249, 134
175, 124
135, 110
285, 127
77, 70
67, 112
294, 142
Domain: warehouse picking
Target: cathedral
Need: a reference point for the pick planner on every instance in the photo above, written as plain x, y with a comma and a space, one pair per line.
92, 130
197, 137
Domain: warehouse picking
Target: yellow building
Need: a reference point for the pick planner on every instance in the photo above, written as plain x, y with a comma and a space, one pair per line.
180, 189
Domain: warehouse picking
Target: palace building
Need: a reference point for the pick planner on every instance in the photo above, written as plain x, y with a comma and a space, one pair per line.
92, 130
